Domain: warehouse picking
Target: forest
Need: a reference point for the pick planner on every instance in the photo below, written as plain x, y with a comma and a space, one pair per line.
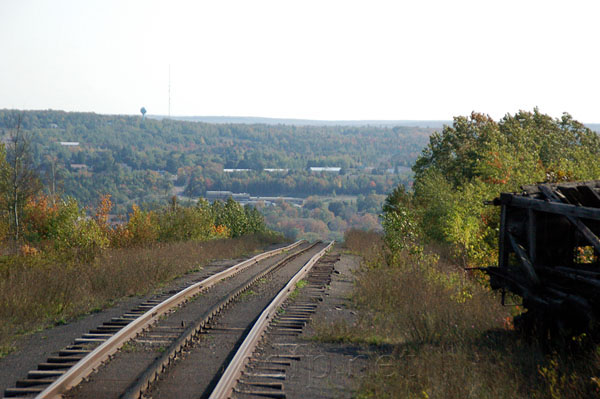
144, 162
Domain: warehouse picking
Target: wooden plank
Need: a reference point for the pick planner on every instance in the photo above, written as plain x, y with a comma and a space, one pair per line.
503, 249
524, 259
555, 194
550, 207
571, 194
586, 273
572, 276
531, 234
534, 188
587, 233
502, 245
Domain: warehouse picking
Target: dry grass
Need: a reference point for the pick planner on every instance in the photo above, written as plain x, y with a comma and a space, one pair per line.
368, 244
448, 337
37, 292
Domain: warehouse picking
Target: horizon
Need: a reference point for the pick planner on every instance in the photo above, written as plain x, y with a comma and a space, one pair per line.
235, 119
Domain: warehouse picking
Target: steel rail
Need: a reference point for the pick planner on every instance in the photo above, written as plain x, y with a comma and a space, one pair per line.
86, 365
142, 383
227, 382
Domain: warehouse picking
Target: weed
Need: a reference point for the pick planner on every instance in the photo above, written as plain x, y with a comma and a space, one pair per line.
6, 350
246, 294
299, 285
129, 347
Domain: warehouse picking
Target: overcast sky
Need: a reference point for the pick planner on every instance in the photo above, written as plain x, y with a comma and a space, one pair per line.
302, 59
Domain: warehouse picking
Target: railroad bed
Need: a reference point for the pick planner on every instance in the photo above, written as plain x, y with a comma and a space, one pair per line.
187, 338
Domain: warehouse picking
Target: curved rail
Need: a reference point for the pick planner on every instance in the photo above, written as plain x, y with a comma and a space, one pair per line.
224, 388
86, 365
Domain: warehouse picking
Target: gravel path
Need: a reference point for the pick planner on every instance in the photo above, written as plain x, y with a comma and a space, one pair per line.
317, 369
330, 370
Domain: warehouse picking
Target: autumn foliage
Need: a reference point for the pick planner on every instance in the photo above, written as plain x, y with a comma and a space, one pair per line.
477, 158
55, 224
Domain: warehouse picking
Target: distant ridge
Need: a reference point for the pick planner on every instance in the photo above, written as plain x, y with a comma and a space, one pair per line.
431, 124
308, 122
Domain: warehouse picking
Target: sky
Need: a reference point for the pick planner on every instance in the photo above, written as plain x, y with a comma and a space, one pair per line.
325, 59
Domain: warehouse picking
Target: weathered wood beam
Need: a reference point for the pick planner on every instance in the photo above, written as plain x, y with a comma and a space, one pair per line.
550, 207
579, 300
502, 245
534, 188
587, 273
524, 260
572, 276
587, 233
531, 234
590, 189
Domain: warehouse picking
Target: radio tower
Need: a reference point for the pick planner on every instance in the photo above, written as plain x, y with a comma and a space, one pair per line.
169, 91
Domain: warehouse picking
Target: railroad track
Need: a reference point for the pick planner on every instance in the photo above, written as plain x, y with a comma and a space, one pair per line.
256, 371
144, 343
74, 362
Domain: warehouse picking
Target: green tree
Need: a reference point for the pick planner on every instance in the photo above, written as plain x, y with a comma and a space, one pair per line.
477, 158
232, 215
255, 220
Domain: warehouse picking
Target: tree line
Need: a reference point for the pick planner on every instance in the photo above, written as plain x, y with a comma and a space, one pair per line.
141, 160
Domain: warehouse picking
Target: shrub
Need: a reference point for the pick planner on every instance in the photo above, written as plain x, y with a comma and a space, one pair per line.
141, 228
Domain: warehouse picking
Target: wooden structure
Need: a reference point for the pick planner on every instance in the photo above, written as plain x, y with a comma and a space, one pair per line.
549, 251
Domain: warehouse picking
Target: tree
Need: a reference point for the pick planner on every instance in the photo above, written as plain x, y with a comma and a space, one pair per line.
476, 159
397, 199
18, 179
234, 217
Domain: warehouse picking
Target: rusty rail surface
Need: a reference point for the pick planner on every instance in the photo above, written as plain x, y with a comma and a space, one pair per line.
86, 365
225, 386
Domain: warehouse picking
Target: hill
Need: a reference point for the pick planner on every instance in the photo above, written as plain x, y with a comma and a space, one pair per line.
146, 161
428, 124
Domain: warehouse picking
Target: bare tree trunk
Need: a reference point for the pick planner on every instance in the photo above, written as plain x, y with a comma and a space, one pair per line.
16, 209
23, 182
53, 182
15, 181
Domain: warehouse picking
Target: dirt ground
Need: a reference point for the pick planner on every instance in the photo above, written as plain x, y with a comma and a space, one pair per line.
330, 370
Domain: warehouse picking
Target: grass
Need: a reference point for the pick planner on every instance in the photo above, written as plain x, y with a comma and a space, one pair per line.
299, 285
38, 292
447, 336
246, 294
129, 347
